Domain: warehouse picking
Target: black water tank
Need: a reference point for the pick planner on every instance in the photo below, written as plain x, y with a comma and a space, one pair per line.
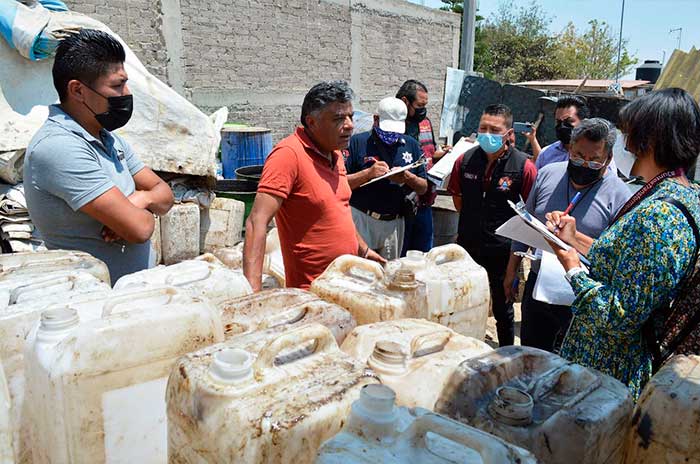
649, 71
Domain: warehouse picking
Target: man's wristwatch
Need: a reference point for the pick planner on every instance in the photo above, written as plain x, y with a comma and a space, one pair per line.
573, 271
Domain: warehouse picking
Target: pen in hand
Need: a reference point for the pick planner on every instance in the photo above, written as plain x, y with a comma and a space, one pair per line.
571, 206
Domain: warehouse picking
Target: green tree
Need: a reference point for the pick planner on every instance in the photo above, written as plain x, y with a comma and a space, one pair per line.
593, 53
516, 45
456, 6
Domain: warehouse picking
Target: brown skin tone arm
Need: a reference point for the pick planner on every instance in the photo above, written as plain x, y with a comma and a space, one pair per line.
152, 193
118, 214
264, 209
511, 273
379, 168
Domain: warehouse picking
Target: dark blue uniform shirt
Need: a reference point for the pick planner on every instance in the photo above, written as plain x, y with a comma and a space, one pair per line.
383, 197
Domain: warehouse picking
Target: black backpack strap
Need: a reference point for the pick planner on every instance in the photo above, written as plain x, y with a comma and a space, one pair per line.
648, 329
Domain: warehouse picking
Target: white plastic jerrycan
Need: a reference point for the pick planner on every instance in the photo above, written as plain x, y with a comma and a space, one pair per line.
15, 323
43, 262
560, 411
96, 389
252, 400
205, 277
23, 288
407, 352
7, 454
284, 307
360, 286
378, 432
273, 257
457, 287
665, 421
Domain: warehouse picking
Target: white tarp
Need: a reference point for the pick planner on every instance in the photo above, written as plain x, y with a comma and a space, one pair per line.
166, 131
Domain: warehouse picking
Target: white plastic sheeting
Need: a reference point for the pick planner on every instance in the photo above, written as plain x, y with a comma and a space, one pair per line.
166, 131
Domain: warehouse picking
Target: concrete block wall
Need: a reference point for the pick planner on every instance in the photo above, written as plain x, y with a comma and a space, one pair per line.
259, 57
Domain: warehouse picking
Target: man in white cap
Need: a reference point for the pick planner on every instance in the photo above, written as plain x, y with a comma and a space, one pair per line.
378, 209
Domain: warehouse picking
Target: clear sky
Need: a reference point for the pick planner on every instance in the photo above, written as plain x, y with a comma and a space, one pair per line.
647, 22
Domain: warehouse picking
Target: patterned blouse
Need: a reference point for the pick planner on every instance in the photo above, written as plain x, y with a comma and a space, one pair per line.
636, 265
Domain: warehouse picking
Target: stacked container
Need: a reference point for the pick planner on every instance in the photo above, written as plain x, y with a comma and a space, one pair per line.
378, 432
270, 396
360, 286
284, 308
560, 411
457, 287
95, 388
414, 357
205, 277
665, 424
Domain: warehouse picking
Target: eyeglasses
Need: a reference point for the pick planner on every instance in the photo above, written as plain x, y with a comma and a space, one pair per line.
595, 165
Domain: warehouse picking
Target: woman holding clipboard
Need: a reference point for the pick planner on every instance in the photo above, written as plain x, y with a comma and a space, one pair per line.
639, 263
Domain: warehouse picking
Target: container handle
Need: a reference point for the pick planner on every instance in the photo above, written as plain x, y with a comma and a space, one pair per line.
429, 343
209, 258
350, 264
43, 283
325, 342
170, 280
546, 383
111, 303
446, 254
289, 316
462, 434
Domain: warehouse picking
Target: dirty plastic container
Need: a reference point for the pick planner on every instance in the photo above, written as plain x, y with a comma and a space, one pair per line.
560, 411
179, 233
205, 277
457, 287
15, 323
248, 400
378, 432
284, 307
96, 388
7, 454
274, 263
42, 262
23, 288
360, 286
406, 352
221, 224
665, 422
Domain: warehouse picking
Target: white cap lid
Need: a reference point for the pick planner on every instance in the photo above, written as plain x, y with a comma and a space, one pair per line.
231, 365
392, 114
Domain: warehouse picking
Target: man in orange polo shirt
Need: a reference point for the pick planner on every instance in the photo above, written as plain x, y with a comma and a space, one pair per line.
304, 185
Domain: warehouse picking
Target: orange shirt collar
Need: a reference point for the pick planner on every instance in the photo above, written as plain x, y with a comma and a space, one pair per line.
308, 143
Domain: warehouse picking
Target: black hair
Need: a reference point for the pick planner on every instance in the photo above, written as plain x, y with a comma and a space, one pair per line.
499, 109
409, 89
667, 122
595, 130
85, 56
323, 94
567, 101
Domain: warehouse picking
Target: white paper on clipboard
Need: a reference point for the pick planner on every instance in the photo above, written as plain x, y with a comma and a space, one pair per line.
527, 229
414, 165
551, 285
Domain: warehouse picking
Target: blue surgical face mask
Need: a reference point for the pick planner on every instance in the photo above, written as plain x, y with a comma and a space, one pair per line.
490, 143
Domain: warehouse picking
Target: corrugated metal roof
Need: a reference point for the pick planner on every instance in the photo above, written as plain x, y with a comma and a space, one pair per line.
590, 83
682, 70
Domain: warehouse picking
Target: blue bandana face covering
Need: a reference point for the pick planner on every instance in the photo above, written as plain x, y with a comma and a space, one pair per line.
490, 143
388, 138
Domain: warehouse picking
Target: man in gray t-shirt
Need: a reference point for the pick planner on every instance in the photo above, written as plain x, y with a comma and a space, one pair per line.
85, 188
602, 195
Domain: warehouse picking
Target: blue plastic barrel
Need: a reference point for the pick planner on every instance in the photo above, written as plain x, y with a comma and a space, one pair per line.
243, 146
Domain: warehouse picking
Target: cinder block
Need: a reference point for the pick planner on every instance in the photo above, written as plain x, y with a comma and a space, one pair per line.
179, 233
221, 225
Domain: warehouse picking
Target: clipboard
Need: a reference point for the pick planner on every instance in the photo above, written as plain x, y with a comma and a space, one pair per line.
535, 232
421, 161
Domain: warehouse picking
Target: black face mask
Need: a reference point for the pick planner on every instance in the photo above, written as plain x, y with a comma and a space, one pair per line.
582, 175
564, 130
420, 114
119, 110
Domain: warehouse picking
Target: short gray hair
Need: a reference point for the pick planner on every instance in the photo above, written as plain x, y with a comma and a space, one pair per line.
323, 94
595, 130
